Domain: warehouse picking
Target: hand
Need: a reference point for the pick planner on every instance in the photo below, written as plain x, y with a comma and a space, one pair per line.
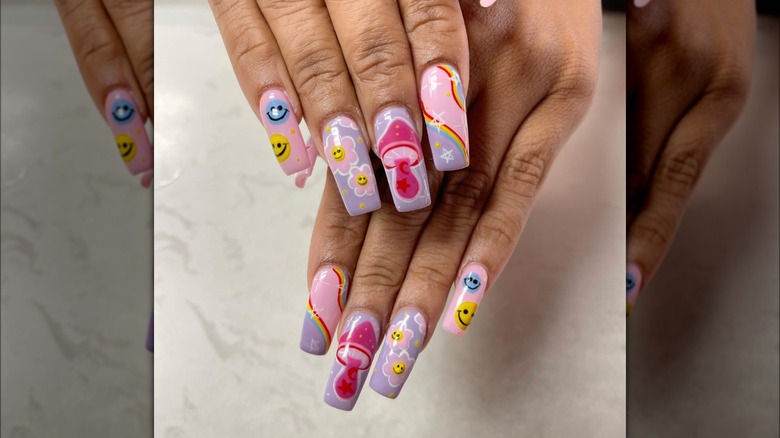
689, 69
533, 74
350, 68
112, 41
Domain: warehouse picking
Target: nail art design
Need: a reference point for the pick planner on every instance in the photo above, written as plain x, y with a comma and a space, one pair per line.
327, 297
402, 345
399, 149
129, 131
464, 304
633, 284
357, 345
347, 155
444, 107
281, 125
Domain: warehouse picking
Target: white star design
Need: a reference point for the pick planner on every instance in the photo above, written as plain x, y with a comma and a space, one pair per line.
446, 155
437, 121
433, 82
314, 345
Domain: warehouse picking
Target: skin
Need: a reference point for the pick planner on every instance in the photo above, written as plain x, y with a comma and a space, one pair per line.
537, 62
113, 45
689, 68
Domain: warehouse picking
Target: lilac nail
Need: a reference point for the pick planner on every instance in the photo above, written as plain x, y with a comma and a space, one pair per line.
355, 352
347, 155
402, 344
398, 146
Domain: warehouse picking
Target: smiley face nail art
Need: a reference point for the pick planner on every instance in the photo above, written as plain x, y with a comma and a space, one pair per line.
633, 285
443, 103
345, 149
400, 348
281, 125
465, 303
130, 135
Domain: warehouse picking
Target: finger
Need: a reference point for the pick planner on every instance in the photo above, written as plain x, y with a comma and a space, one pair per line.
333, 254
519, 179
110, 79
437, 36
383, 261
374, 44
311, 51
437, 255
262, 75
134, 21
678, 170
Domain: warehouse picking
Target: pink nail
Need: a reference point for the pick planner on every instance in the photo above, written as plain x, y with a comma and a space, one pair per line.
129, 131
487, 3
281, 125
327, 297
468, 293
444, 106
641, 3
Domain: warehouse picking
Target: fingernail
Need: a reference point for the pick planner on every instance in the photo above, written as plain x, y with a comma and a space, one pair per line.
641, 3
355, 352
633, 284
486, 3
129, 131
345, 149
468, 293
399, 149
280, 123
327, 297
444, 108
400, 349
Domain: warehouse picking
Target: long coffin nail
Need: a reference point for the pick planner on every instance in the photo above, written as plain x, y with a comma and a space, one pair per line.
468, 294
327, 297
129, 131
398, 146
443, 105
400, 349
633, 285
347, 155
281, 125
357, 345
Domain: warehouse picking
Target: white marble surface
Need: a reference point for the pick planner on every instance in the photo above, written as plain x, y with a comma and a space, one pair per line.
231, 240
703, 356
76, 249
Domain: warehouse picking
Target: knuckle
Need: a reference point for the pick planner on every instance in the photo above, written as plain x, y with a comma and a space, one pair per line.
576, 78
678, 173
467, 195
432, 273
99, 46
500, 230
731, 79
433, 17
130, 8
524, 172
380, 274
378, 58
653, 227
318, 67
249, 47
342, 236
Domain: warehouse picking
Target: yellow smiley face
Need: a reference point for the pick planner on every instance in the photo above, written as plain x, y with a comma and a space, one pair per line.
398, 367
281, 147
126, 146
465, 312
361, 179
338, 153
397, 335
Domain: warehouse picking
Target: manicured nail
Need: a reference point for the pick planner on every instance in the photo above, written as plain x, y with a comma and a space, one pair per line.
327, 297
398, 146
468, 293
443, 104
486, 3
402, 344
633, 285
129, 131
641, 3
357, 345
345, 149
281, 125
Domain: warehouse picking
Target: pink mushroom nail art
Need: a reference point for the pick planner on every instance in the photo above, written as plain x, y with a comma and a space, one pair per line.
357, 345
129, 131
398, 146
